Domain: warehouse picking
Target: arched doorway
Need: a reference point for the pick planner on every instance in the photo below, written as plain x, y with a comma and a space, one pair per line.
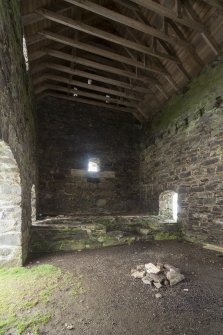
10, 208
168, 205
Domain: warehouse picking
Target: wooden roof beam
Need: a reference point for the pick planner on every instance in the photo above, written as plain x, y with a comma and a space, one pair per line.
36, 55
170, 50
167, 12
91, 87
192, 51
127, 21
205, 34
101, 52
167, 75
215, 3
92, 95
88, 75
96, 65
34, 17
102, 34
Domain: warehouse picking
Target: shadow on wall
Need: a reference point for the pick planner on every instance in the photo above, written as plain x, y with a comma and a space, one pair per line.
10, 208
168, 205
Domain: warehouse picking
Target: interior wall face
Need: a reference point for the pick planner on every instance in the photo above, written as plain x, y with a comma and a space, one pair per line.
182, 151
17, 131
71, 134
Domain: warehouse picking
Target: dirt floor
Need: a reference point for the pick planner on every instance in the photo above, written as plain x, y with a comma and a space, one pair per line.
115, 303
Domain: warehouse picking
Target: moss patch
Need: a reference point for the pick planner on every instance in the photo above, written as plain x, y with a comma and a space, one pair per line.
165, 236
202, 93
27, 296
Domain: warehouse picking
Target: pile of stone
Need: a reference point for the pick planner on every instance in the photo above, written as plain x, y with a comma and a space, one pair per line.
158, 275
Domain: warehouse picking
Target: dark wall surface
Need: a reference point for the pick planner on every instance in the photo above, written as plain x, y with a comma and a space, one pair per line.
17, 124
70, 134
182, 150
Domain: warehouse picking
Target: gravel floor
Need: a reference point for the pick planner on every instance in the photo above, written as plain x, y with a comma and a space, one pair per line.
115, 303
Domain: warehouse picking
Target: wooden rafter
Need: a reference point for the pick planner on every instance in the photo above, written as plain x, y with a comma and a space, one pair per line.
215, 3
169, 49
34, 17
192, 51
38, 37
92, 95
167, 12
101, 52
205, 34
36, 55
88, 75
102, 34
91, 87
167, 76
156, 84
96, 65
137, 52
127, 21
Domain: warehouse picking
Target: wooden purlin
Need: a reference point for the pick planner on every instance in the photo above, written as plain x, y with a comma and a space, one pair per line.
88, 75
103, 34
91, 87
125, 20
101, 52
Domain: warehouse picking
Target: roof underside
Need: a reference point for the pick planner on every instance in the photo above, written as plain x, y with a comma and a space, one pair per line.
128, 56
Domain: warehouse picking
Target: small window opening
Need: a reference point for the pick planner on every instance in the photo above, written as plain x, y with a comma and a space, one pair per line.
168, 205
175, 206
93, 165
25, 53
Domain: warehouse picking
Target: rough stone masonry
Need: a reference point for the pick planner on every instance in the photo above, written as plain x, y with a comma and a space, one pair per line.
69, 135
182, 151
17, 136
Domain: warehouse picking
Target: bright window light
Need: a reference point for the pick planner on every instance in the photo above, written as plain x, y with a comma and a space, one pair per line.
25, 53
93, 165
175, 206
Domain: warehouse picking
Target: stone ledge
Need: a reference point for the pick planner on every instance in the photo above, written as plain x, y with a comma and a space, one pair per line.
78, 173
90, 232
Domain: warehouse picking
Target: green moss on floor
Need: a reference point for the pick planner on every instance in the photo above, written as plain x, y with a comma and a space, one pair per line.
165, 236
28, 294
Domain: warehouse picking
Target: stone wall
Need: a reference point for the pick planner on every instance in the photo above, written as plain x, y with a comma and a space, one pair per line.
70, 134
182, 151
17, 129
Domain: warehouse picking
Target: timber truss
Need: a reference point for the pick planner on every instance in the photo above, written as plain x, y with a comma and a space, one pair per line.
125, 55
